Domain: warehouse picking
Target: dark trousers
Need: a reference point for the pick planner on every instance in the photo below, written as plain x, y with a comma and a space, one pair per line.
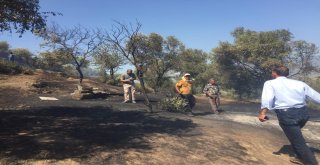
190, 98
291, 121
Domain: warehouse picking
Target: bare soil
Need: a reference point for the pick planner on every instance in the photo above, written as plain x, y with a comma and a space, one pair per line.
106, 131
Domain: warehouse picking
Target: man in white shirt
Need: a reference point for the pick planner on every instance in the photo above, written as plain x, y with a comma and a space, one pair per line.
287, 98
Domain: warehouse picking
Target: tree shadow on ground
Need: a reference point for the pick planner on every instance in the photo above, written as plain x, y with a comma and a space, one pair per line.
69, 132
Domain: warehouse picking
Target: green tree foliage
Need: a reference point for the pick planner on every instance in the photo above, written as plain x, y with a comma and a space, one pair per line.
138, 47
4, 46
163, 58
9, 67
247, 63
303, 58
108, 58
54, 60
22, 15
69, 69
24, 53
195, 62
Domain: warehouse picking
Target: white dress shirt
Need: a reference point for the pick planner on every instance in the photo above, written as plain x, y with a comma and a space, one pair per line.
282, 93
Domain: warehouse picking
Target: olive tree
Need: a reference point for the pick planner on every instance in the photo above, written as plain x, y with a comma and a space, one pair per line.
247, 62
4, 46
53, 60
303, 58
195, 62
108, 58
24, 53
162, 58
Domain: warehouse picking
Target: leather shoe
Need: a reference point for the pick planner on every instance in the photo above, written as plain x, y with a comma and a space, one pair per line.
296, 160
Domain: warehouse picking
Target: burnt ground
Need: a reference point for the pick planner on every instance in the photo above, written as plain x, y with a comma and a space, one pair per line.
106, 131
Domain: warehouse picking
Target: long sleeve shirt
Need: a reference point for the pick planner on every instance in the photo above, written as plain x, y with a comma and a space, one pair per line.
282, 93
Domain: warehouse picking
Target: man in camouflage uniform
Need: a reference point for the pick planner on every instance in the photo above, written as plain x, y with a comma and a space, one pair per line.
212, 91
140, 74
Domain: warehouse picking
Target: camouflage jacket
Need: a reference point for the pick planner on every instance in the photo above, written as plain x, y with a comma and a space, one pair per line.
211, 89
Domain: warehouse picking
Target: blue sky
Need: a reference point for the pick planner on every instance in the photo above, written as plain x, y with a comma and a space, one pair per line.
199, 24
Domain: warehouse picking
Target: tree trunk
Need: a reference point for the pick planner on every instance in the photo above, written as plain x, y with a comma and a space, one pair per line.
112, 76
80, 74
158, 84
146, 98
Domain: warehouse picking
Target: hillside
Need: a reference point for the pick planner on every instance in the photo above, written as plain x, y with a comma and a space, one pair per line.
25, 90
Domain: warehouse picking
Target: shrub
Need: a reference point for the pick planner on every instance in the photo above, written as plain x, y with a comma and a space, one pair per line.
115, 82
69, 69
28, 71
9, 67
174, 104
139, 88
313, 105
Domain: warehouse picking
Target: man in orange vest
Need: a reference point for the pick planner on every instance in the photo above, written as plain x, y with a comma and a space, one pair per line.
184, 88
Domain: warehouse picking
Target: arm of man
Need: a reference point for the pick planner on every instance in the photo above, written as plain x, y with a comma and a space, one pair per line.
314, 95
205, 90
267, 100
123, 79
178, 85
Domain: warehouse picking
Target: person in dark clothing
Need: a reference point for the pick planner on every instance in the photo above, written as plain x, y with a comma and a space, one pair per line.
140, 73
11, 57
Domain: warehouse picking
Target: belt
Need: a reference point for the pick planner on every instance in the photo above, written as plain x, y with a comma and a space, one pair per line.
287, 109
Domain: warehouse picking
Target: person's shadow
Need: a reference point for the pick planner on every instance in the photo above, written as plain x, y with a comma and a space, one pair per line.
220, 111
287, 149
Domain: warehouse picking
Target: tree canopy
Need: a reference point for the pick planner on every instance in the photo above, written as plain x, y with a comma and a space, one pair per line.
54, 60
22, 15
303, 58
195, 62
162, 58
248, 62
24, 53
4, 46
108, 58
